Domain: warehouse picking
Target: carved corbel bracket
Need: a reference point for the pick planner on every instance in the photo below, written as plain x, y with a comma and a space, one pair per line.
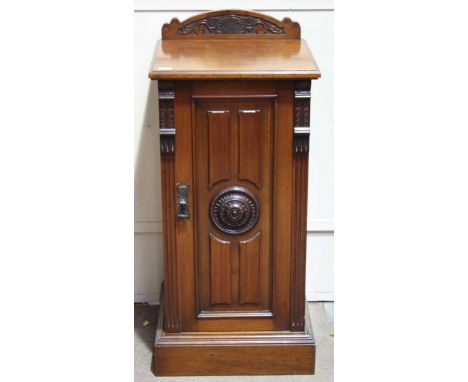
167, 129
301, 117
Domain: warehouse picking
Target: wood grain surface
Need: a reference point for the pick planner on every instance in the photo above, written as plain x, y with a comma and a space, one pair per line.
238, 59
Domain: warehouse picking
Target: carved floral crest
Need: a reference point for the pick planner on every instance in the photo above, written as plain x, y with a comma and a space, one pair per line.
244, 24
231, 24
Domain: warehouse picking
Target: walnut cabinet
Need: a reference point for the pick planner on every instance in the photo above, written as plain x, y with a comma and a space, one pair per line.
234, 110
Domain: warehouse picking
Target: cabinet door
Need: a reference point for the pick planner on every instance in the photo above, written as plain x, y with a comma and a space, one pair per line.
233, 183
241, 176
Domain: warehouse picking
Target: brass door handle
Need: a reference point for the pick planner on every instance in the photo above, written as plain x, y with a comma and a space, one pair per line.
183, 200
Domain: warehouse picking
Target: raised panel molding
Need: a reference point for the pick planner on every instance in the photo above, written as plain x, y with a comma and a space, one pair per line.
219, 132
250, 151
249, 270
220, 271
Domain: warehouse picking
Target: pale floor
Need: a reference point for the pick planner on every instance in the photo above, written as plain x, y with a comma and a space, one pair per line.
321, 314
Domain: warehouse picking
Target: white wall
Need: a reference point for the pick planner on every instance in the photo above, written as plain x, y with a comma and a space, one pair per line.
316, 19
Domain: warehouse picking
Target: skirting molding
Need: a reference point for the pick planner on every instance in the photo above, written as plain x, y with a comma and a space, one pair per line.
320, 296
320, 225
151, 298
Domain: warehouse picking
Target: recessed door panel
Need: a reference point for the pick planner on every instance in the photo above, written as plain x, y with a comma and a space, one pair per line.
249, 271
250, 148
234, 193
220, 266
219, 161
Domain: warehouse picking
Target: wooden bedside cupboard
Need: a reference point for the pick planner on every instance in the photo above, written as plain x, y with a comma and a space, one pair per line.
234, 109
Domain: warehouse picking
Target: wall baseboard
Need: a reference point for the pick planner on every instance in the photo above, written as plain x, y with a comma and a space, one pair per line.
320, 225
320, 296
150, 298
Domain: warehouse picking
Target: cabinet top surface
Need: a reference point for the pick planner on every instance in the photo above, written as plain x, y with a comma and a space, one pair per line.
237, 44
248, 59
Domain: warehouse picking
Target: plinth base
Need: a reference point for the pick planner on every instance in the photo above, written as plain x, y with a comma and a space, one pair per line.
233, 353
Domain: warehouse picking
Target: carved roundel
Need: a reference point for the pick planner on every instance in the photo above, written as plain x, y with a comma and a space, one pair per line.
234, 210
